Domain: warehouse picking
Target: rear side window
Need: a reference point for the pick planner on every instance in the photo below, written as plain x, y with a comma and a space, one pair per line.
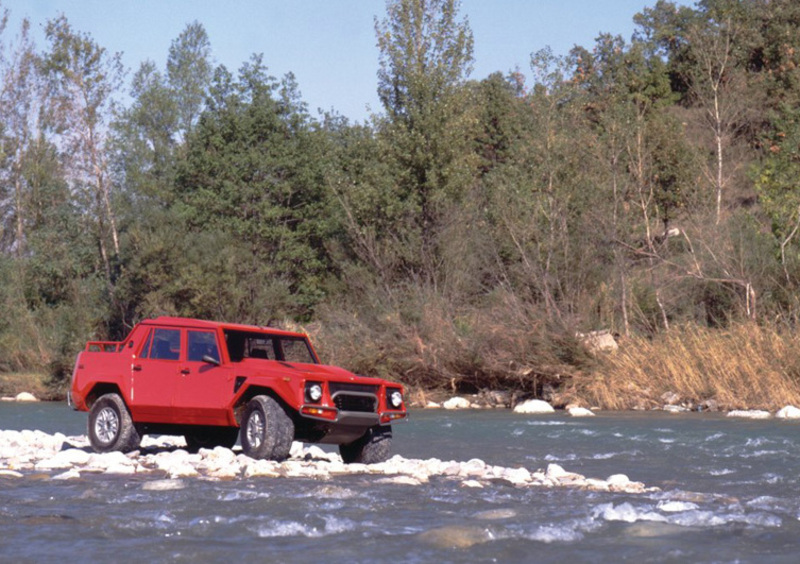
145, 352
202, 343
166, 344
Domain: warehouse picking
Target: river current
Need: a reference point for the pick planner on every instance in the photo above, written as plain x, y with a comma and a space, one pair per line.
729, 492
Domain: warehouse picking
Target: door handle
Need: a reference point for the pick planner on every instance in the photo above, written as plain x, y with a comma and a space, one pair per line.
186, 371
137, 367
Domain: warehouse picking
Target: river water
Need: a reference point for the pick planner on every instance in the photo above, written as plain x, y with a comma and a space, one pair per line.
730, 492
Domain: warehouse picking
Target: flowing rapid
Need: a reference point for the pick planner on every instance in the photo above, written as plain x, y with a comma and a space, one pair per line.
718, 490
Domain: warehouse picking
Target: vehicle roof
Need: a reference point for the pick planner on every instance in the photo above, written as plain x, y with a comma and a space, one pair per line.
204, 324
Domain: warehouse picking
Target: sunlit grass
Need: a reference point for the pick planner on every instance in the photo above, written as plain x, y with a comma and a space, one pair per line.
744, 366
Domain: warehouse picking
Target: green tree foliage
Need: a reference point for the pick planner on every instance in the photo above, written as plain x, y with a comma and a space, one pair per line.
82, 80
253, 173
425, 58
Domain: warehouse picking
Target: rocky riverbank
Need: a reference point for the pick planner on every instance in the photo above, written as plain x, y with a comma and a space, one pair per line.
37, 454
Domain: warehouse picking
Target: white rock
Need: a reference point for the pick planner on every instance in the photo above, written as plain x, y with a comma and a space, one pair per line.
296, 469
25, 396
750, 414
598, 341
675, 409
517, 476
296, 450
70, 474
580, 412
64, 459
261, 468
621, 483
456, 403
618, 480
107, 460
788, 412
433, 405
672, 506
597, 485
399, 480
120, 469
554, 471
533, 406
21, 450
163, 485
472, 467
557, 474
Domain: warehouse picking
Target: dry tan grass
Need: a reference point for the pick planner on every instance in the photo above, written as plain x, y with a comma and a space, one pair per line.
13, 383
432, 345
745, 366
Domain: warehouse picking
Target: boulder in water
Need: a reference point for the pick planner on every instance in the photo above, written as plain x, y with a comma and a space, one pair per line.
788, 412
456, 403
533, 406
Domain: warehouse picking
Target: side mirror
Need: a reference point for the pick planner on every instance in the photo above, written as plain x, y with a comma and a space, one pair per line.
210, 359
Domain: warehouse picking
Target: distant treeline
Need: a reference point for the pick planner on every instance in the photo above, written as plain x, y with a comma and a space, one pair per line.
459, 238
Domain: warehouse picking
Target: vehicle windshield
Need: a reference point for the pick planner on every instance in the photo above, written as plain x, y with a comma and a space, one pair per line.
243, 345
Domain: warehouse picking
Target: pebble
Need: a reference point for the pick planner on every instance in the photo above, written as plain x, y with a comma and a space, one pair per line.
26, 453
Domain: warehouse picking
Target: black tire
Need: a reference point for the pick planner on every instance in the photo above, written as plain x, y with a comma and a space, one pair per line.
371, 448
111, 427
267, 430
210, 437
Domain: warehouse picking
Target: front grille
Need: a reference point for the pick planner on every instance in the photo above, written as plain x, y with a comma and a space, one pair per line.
347, 402
354, 397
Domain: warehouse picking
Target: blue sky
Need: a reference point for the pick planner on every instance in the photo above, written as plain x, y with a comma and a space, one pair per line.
328, 44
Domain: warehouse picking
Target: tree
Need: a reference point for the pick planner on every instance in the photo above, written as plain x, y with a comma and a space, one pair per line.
253, 172
18, 107
189, 72
425, 57
82, 80
710, 52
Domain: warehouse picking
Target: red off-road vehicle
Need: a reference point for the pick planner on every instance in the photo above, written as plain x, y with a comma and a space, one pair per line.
213, 382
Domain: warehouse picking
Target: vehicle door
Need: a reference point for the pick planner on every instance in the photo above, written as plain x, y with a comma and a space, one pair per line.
205, 388
155, 376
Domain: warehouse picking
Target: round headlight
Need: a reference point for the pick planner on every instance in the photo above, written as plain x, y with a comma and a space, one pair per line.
314, 392
396, 399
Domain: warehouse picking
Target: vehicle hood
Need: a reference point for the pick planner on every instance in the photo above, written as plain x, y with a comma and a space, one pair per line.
308, 371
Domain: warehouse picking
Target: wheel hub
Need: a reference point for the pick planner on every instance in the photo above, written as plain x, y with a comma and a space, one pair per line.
255, 429
106, 426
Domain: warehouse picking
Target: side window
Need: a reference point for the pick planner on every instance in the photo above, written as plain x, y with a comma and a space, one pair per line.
296, 350
202, 343
166, 344
145, 352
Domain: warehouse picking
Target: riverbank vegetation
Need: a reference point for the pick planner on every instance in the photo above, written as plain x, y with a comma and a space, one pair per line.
459, 239
742, 366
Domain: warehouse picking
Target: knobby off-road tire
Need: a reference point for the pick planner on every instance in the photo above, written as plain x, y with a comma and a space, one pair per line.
371, 448
267, 430
210, 437
111, 427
